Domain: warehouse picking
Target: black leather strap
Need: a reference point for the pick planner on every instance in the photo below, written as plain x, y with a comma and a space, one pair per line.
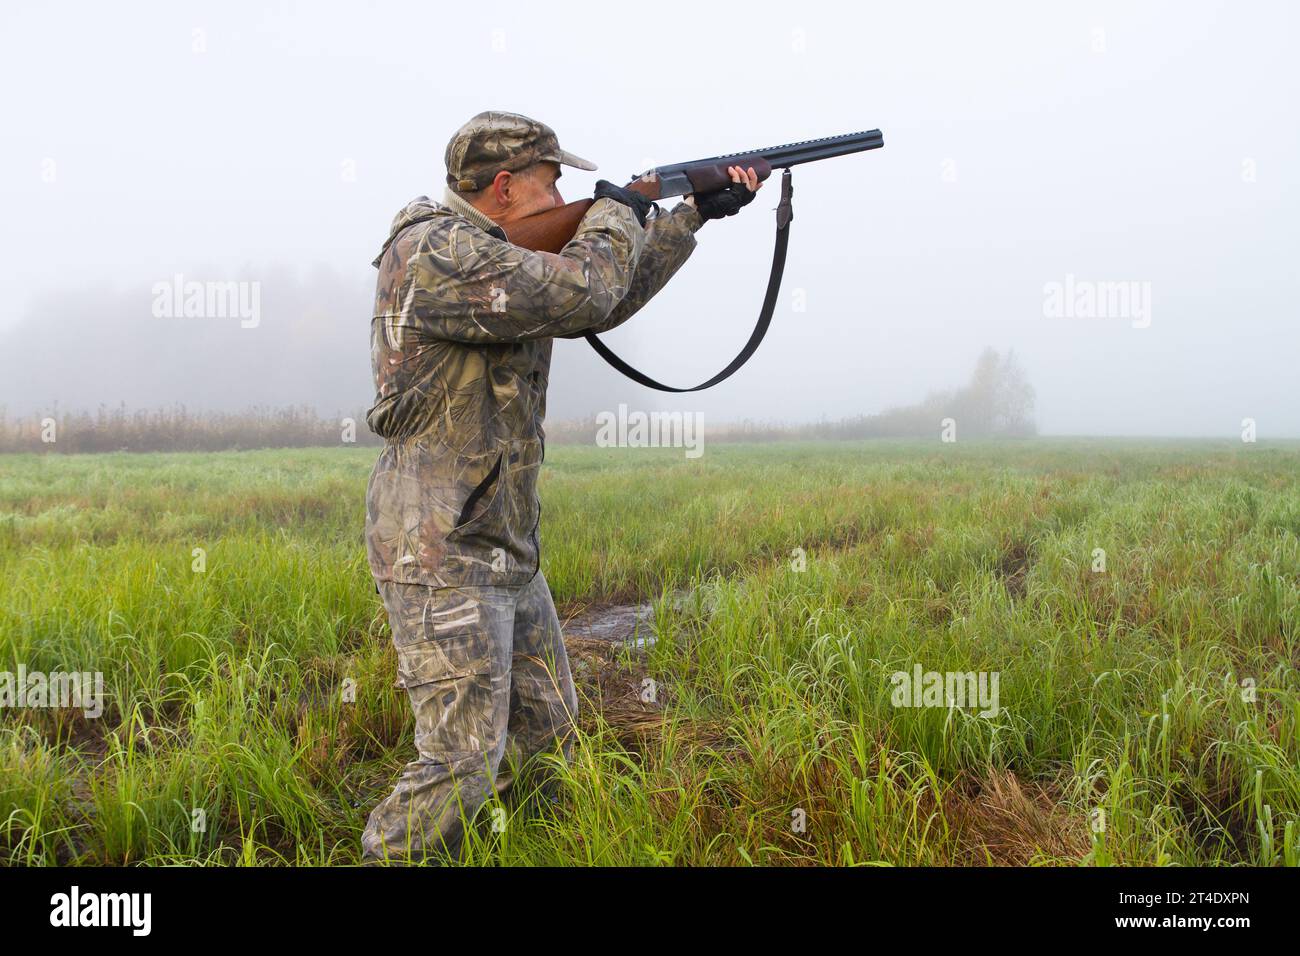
784, 213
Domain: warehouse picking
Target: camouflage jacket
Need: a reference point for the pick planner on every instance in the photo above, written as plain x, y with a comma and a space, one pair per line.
460, 346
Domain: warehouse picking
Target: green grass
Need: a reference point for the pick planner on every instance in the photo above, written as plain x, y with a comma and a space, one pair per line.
774, 741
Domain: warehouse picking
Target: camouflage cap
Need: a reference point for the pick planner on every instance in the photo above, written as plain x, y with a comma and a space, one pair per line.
494, 141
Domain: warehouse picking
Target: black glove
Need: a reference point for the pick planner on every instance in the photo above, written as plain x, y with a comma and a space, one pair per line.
724, 202
634, 200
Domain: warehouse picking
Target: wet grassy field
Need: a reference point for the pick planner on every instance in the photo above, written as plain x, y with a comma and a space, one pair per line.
1138, 602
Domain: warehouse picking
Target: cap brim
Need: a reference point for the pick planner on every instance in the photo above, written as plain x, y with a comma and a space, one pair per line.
577, 162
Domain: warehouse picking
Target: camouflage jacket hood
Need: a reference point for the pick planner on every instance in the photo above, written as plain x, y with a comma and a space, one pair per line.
461, 339
422, 207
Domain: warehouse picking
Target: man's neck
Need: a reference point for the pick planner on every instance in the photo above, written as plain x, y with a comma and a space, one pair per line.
462, 206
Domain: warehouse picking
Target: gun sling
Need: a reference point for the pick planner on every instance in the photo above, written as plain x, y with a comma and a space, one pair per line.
784, 213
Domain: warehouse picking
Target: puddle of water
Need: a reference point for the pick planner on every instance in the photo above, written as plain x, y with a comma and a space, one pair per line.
622, 624
628, 624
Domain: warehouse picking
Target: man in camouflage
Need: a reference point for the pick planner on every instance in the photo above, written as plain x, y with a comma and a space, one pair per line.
461, 350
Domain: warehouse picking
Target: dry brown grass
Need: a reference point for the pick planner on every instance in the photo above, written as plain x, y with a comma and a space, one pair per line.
610, 694
1000, 820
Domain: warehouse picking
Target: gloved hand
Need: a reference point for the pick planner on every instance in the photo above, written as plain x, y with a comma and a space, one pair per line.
724, 202
730, 199
634, 200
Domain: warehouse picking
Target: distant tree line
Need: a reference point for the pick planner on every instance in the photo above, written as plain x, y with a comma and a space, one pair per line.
998, 401
179, 429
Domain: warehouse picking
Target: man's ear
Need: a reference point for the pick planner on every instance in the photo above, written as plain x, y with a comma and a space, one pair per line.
502, 187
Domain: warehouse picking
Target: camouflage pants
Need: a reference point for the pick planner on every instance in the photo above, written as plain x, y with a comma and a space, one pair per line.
488, 678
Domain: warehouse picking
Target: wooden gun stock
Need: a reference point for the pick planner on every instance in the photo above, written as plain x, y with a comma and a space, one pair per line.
551, 230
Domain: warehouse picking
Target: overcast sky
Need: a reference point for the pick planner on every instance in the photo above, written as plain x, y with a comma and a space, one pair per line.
1144, 143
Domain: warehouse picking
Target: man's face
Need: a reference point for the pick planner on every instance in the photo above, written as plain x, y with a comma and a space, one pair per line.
529, 191
536, 191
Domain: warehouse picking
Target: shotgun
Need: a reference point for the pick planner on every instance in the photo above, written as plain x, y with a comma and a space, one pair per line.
550, 231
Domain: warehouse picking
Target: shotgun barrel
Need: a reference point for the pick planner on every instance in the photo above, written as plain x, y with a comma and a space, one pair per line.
703, 175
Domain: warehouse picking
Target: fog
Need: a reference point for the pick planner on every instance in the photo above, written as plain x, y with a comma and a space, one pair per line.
1033, 153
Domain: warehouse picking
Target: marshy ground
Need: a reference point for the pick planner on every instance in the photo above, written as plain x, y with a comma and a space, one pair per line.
1139, 600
